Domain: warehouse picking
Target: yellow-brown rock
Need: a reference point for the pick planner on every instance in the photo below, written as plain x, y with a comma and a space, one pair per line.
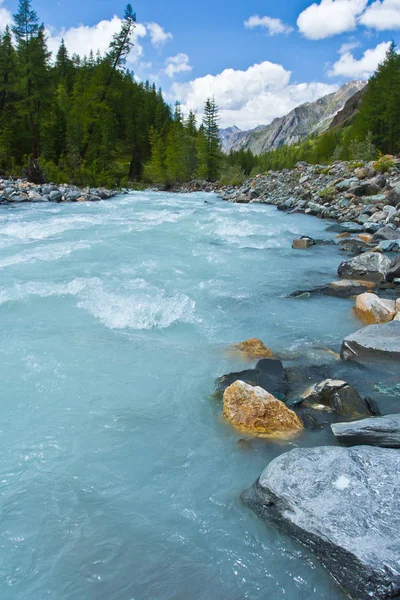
372, 309
365, 237
255, 411
343, 235
253, 347
302, 243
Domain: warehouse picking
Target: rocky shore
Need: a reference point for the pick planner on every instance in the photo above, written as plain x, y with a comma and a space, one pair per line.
341, 501
20, 190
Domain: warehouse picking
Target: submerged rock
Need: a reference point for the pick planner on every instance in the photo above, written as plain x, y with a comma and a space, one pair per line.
302, 243
254, 410
338, 396
372, 309
268, 374
370, 266
344, 504
374, 341
253, 347
379, 431
344, 288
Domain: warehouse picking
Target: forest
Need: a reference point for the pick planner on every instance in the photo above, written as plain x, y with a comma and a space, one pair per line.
87, 120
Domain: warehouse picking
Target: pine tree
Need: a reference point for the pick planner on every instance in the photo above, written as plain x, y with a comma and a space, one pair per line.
209, 145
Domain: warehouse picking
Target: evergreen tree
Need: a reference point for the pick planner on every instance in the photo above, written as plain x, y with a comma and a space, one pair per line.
209, 145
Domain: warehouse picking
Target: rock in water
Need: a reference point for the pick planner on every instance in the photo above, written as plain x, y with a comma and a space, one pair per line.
370, 266
374, 341
268, 374
372, 309
254, 410
380, 431
338, 396
344, 504
254, 347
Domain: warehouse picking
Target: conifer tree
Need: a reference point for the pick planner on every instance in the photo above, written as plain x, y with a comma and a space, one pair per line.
209, 145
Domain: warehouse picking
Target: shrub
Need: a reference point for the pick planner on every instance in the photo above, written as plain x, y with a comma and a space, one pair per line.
232, 175
363, 149
384, 163
328, 193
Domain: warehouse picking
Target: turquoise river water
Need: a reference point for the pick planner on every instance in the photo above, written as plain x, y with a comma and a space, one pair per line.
119, 479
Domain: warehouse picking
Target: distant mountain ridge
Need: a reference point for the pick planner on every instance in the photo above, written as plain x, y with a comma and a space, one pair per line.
307, 119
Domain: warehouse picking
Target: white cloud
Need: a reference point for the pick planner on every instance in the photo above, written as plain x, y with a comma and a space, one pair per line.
177, 64
348, 66
348, 46
83, 38
5, 16
382, 15
158, 35
330, 17
273, 26
249, 98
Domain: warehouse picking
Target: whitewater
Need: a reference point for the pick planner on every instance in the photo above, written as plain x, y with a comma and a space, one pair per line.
119, 478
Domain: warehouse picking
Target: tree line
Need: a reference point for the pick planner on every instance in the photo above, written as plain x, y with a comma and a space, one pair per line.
87, 120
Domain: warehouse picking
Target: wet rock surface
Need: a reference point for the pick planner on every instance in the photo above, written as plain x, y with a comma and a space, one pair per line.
374, 341
380, 431
254, 410
343, 504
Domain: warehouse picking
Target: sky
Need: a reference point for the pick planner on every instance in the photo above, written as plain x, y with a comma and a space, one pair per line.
258, 58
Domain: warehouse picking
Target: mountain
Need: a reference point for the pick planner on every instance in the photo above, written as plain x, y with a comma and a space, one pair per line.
311, 118
350, 109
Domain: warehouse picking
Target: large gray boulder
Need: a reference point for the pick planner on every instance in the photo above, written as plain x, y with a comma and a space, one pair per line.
394, 270
386, 233
370, 266
344, 504
374, 341
380, 431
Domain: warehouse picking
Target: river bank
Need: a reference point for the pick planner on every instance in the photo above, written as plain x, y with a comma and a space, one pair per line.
313, 494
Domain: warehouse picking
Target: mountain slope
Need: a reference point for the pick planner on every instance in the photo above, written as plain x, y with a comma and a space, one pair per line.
311, 118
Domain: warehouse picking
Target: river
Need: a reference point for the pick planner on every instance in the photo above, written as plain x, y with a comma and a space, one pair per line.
119, 478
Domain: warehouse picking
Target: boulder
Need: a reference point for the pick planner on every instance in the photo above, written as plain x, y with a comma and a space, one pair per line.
347, 226
254, 348
389, 246
343, 504
302, 243
386, 233
337, 396
254, 410
365, 189
378, 431
365, 237
268, 374
344, 288
370, 266
372, 309
393, 271
374, 341
55, 196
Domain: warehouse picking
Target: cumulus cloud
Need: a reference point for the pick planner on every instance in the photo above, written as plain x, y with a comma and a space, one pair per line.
158, 35
5, 16
83, 38
382, 15
177, 64
273, 26
330, 17
348, 66
249, 98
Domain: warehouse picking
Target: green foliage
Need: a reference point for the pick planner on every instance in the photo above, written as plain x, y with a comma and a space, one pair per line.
363, 149
328, 193
384, 163
209, 145
232, 175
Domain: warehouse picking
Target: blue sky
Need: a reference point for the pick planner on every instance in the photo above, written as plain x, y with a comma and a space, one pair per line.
258, 58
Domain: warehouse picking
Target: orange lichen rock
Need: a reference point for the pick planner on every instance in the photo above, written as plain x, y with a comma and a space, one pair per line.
254, 410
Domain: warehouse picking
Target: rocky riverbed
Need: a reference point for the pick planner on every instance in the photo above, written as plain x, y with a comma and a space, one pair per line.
342, 503
21, 190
